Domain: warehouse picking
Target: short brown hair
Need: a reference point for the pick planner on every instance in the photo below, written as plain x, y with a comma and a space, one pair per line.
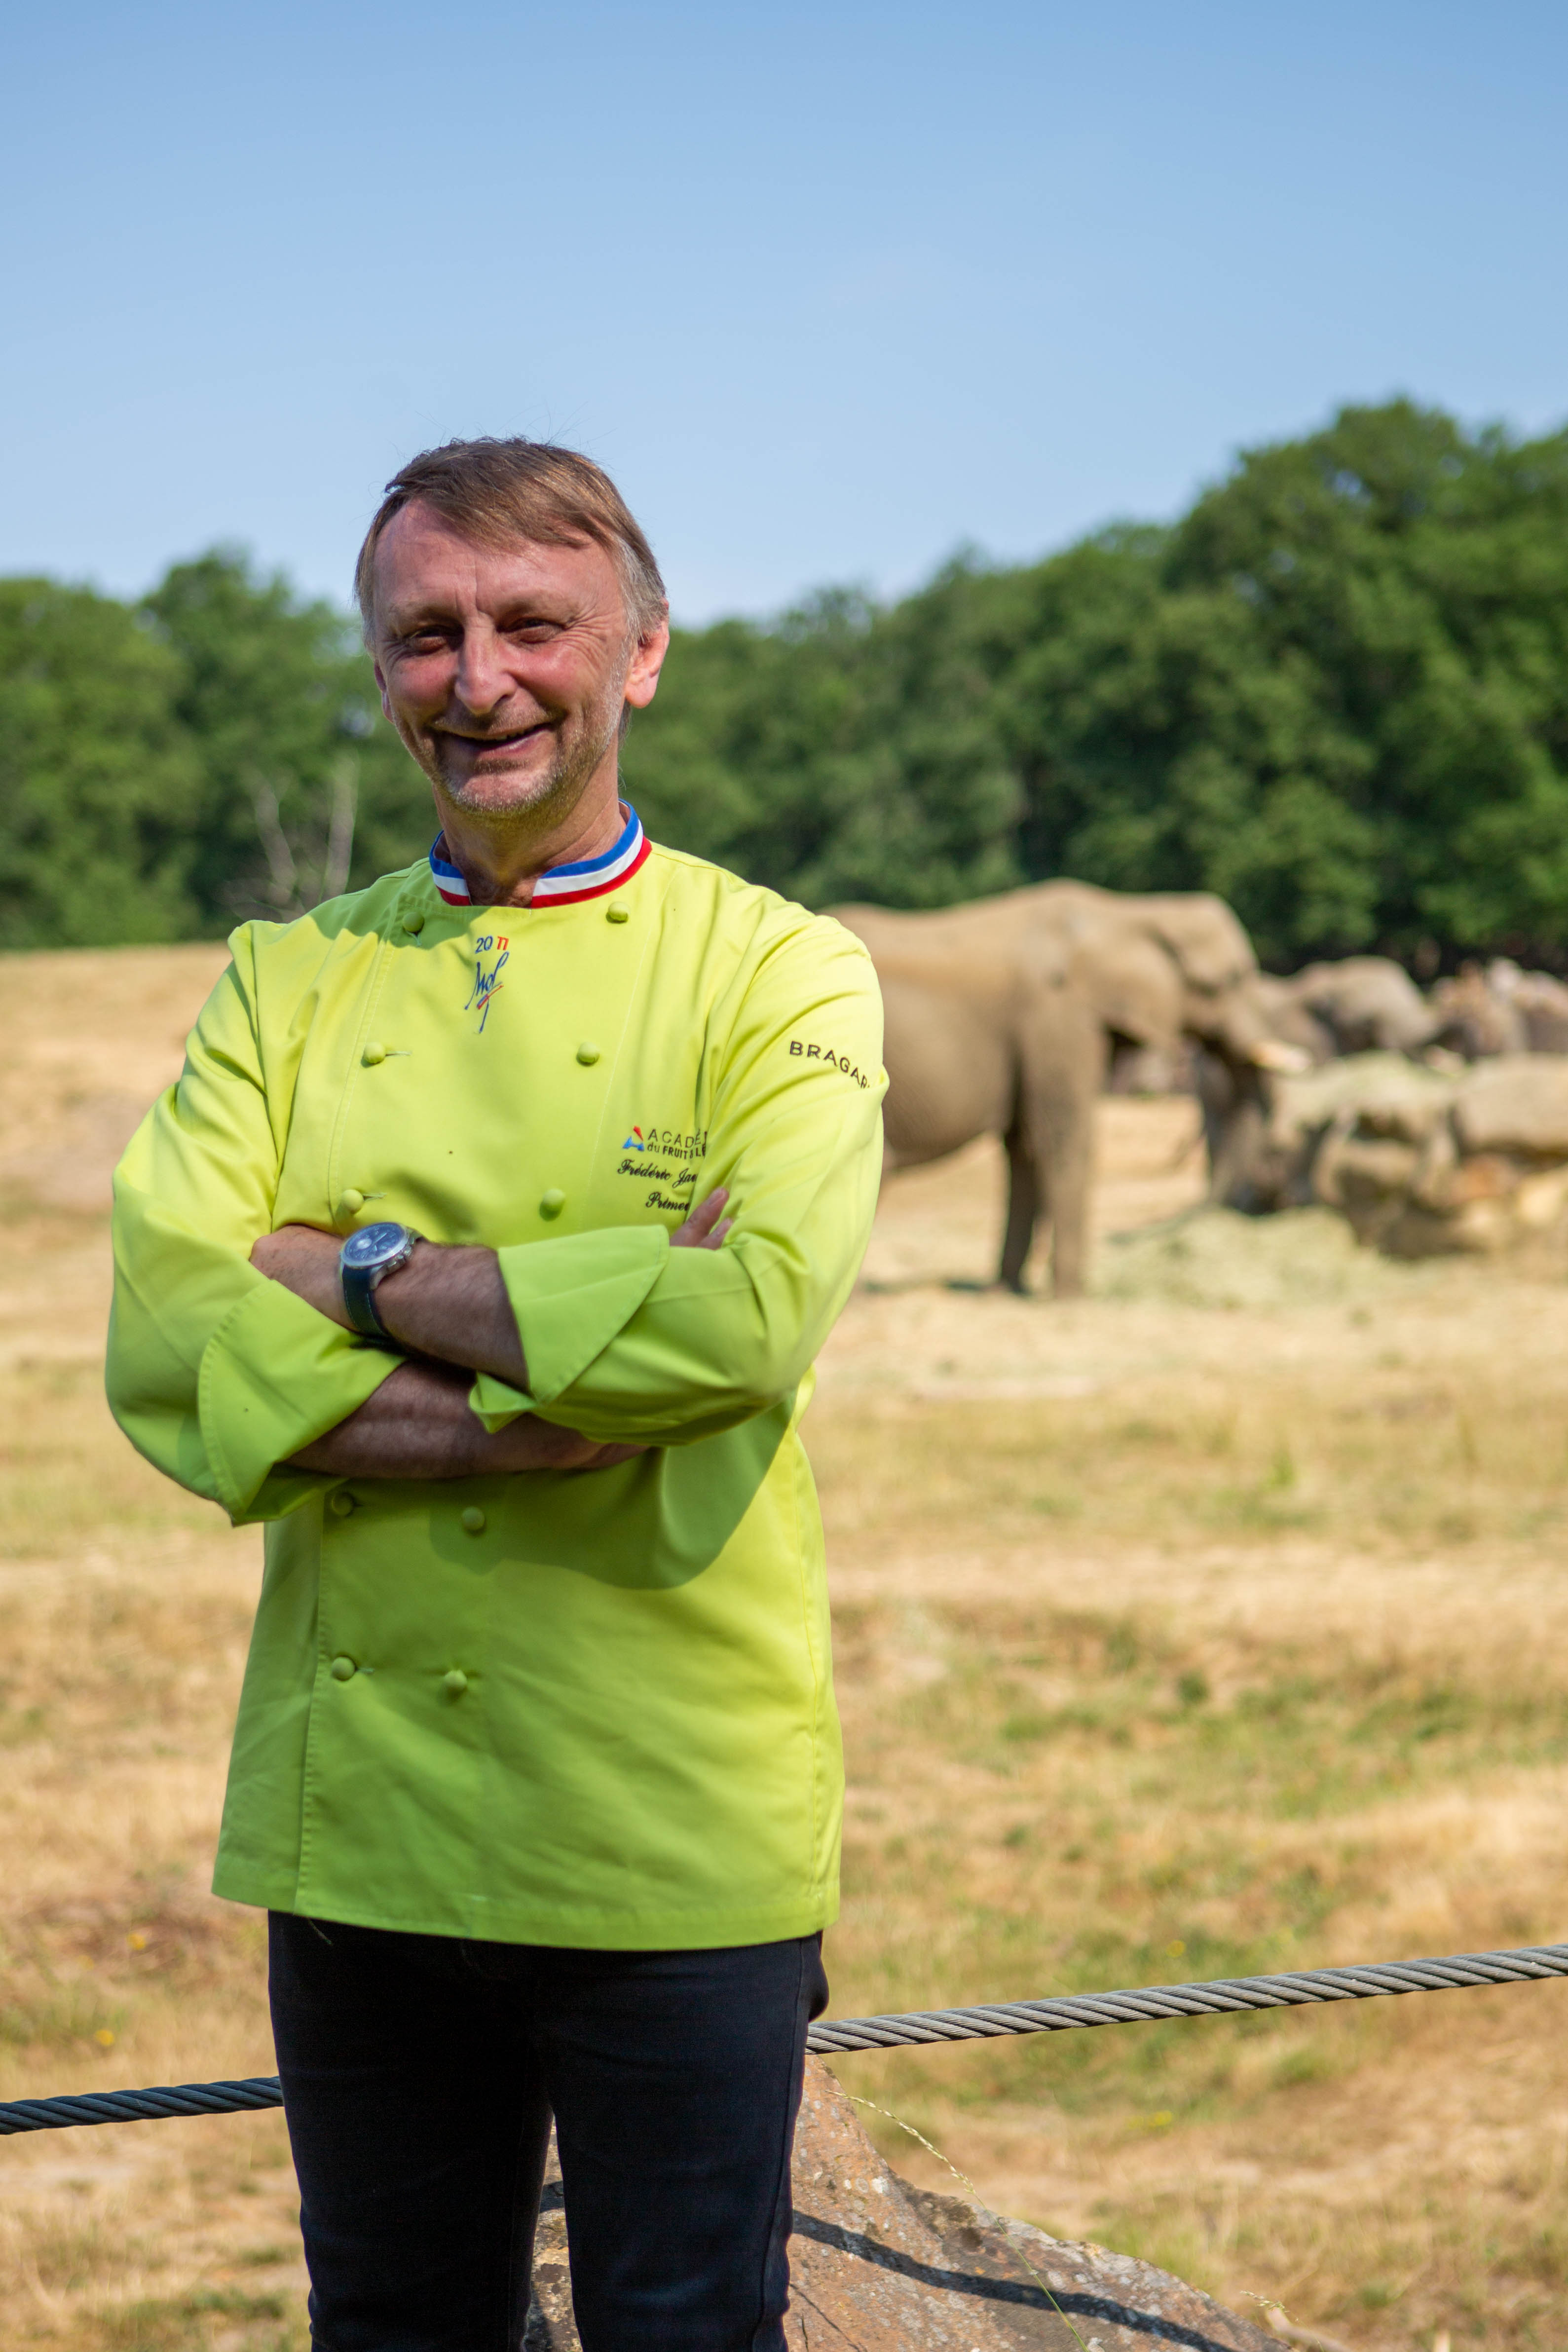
500, 493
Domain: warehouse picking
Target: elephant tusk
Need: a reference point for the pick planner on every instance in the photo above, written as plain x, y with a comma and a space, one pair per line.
1285, 1061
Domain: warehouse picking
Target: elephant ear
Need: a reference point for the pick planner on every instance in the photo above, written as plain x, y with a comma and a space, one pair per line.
1205, 938
1131, 979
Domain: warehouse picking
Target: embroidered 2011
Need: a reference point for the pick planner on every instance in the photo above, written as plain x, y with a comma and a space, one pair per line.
486, 984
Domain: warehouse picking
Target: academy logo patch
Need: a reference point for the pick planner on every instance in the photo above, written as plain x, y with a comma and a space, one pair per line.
670, 1140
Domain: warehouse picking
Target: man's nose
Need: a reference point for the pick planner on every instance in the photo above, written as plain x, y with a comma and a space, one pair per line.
482, 680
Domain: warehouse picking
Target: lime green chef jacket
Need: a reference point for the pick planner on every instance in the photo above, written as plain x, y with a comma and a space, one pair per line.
591, 1708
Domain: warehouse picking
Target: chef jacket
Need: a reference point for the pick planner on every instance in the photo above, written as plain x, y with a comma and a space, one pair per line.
590, 1709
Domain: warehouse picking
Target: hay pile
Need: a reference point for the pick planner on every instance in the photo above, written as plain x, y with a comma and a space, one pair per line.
1217, 1257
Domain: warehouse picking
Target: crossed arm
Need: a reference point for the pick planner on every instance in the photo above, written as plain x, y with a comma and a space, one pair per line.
448, 1307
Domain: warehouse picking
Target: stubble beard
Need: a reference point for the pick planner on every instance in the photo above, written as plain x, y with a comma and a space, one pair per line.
544, 799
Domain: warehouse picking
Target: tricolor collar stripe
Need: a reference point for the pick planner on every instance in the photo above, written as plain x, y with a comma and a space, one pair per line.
561, 886
596, 868
448, 880
558, 889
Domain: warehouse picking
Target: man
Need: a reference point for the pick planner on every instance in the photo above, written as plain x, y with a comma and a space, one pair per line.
483, 1251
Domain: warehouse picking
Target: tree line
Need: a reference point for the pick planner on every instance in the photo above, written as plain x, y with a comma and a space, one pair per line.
1335, 691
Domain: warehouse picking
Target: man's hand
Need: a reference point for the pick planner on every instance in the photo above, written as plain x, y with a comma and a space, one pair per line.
449, 1305
706, 1228
447, 1302
418, 1425
305, 1261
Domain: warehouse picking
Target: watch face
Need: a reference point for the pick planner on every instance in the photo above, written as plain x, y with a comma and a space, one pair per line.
374, 1244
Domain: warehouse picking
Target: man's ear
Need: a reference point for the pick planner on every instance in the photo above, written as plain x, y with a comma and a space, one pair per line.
381, 683
647, 660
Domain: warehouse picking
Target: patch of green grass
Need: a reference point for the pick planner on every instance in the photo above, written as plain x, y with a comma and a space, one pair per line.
1289, 1460
60, 2017
209, 2317
1297, 1740
1072, 1801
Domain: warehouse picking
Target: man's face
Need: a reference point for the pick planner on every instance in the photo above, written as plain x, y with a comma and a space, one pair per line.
505, 671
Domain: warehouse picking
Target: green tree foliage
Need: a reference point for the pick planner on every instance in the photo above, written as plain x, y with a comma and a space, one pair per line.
845, 752
217, 752
1336, 691
100, 784
306, 790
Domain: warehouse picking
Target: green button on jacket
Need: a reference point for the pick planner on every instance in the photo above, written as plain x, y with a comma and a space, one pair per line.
646, 1752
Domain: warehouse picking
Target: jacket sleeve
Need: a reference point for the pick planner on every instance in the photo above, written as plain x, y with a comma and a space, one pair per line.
216, 1373
625, 1337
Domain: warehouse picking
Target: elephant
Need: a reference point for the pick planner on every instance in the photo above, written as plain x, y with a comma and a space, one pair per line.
1000, 1017
1543, 1003
1357, 1005
1476, 1019
1504, 1010
1363, 1004
1541, 1000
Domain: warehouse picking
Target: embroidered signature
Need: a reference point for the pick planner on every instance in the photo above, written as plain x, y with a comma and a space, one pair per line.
487, 984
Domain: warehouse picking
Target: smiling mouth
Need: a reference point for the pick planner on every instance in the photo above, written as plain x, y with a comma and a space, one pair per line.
480, 744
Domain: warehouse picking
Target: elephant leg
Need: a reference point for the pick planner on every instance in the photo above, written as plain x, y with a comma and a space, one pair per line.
1235, 1117
1217, 1089
1071, 1192
1062, 1091
1023, 1209
1232, 1179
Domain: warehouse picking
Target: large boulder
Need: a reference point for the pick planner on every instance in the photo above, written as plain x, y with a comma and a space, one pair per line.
1379, 1098
1518, 1105
889, 2268
1421, 1162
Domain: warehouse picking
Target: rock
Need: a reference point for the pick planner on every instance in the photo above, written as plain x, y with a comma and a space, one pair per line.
885, 2267
1421, 1162
1381, 1097
1518, 1104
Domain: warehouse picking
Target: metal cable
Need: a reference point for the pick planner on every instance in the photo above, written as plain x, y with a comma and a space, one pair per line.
1219, 1997
142, 2107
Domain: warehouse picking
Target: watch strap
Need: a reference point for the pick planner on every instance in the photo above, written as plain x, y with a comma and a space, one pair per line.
358, 1283
359, 1298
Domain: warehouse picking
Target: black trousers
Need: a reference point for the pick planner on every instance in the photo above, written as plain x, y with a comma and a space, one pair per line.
419, 2076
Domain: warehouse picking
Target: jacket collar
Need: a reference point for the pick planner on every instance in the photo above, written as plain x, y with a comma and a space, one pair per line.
558, 886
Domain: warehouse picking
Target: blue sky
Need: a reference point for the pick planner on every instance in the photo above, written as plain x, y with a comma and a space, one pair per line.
831, 291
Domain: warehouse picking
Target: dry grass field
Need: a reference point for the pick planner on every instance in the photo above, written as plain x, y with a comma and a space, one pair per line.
1215, 1623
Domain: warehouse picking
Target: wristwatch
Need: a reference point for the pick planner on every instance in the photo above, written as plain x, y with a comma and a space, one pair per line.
366, 1258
